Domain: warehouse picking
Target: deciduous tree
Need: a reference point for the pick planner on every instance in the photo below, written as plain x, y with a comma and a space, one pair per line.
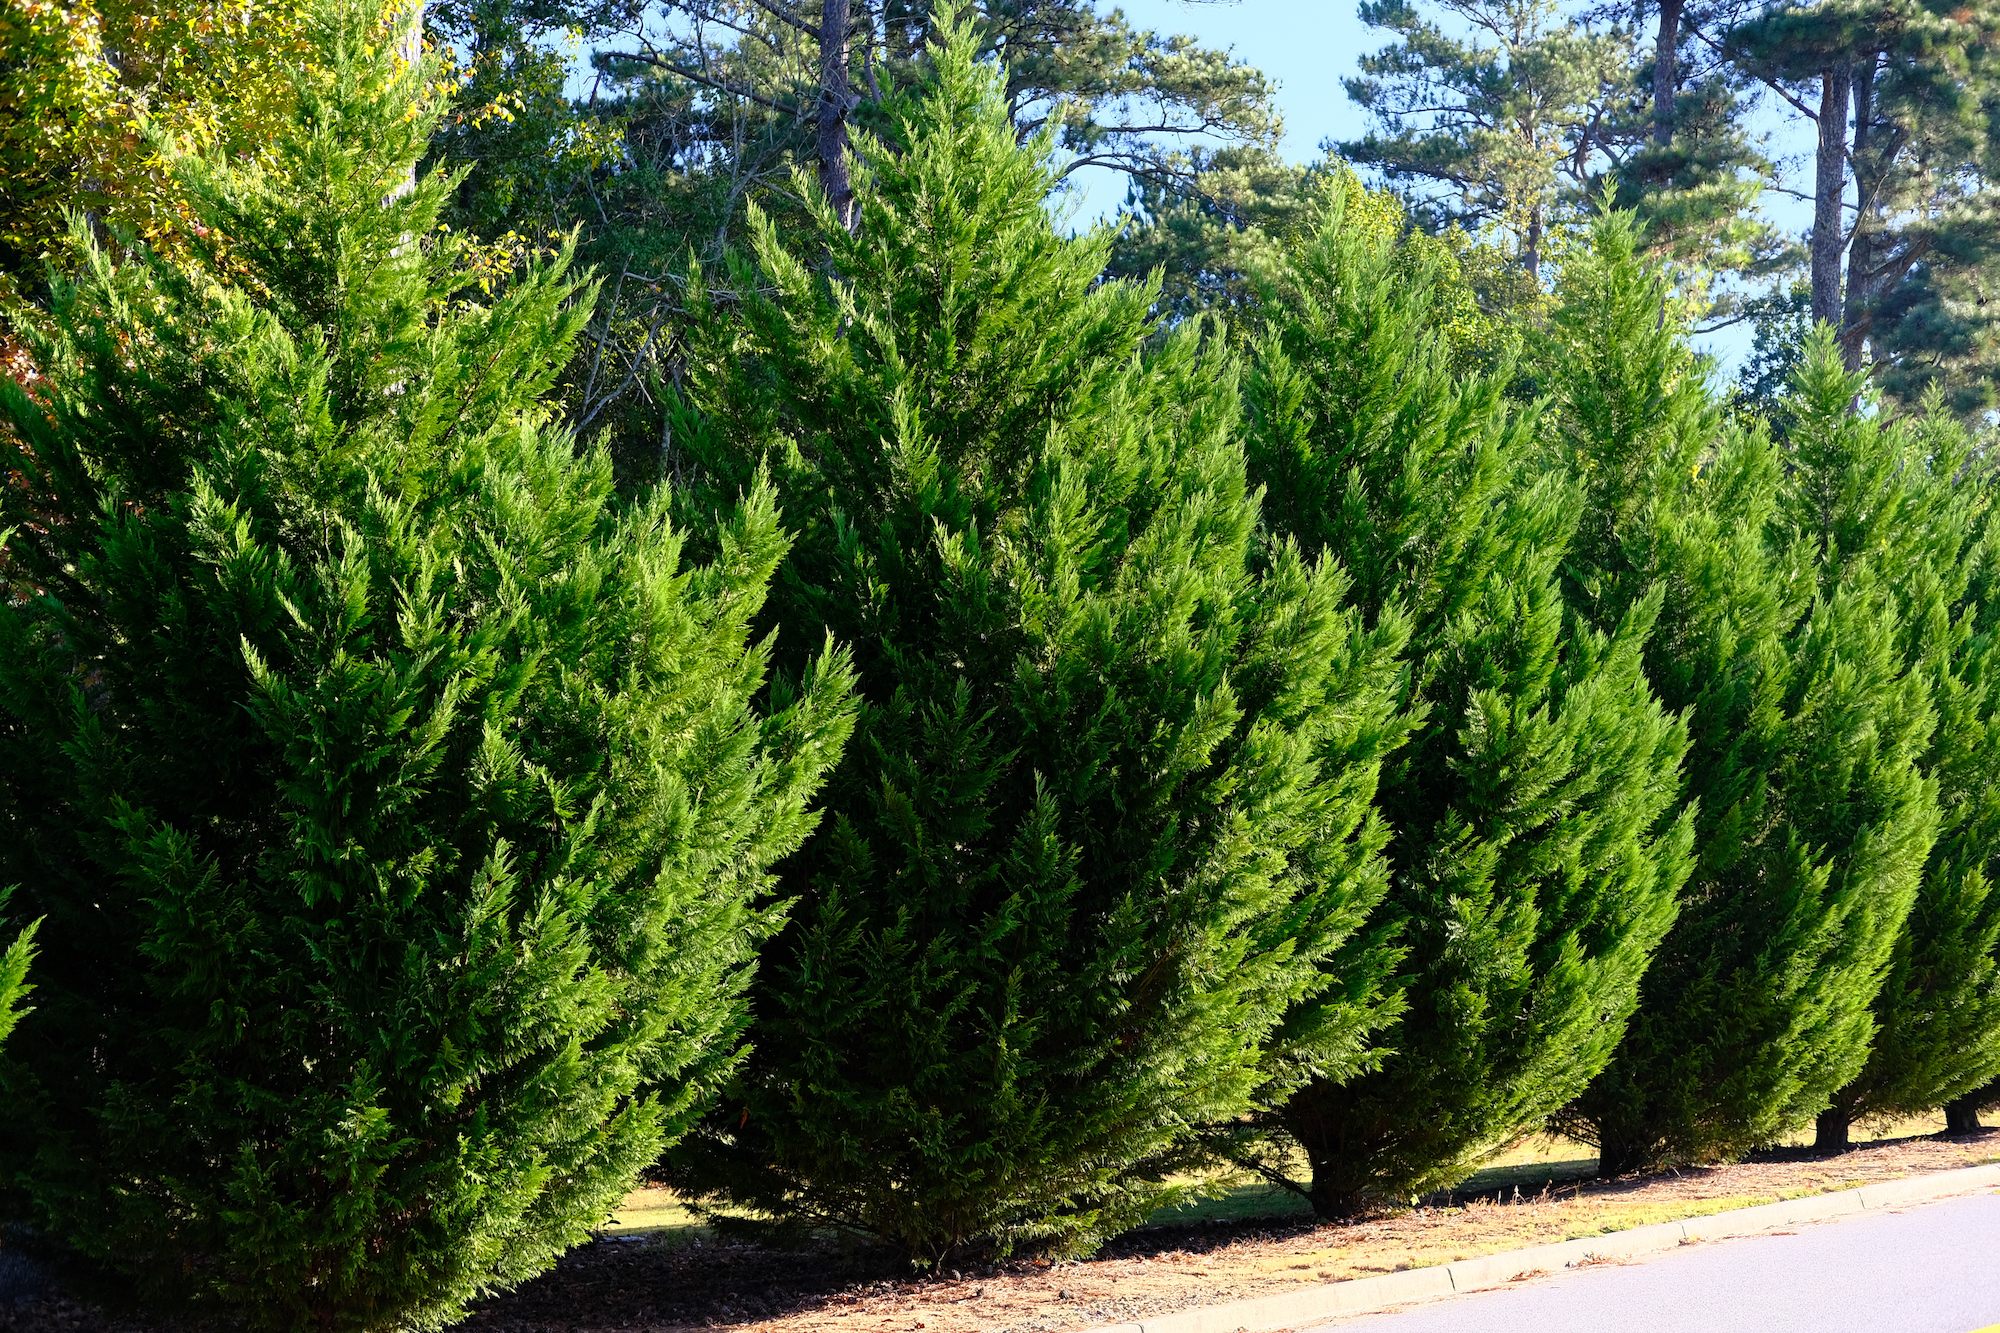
89, 89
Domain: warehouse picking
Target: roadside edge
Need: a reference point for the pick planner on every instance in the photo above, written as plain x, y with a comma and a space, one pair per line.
1365, 1295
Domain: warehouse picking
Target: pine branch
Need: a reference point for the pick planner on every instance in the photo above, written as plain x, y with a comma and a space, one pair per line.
706, 80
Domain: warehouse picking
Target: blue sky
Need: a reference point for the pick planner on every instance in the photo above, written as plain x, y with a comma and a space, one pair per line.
1306, 48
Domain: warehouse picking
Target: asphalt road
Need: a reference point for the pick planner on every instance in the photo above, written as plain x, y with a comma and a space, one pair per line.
1932, 1269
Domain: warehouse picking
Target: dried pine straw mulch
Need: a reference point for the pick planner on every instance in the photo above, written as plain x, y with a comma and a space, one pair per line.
673, 1281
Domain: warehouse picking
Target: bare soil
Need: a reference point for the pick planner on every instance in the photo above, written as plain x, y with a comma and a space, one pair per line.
678, 1278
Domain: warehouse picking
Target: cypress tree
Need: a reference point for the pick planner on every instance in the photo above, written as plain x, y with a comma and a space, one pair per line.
394, 798
1962, 1112
1783, 637
1536, 848
1106, 814
1937, 1014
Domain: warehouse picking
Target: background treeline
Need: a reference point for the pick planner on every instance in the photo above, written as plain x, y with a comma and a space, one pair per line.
648, 127
861, 704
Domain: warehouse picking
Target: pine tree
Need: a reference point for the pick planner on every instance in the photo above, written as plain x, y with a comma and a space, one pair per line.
1807, 726
1205, 232
1695, 172
394, 798
1106, 815
1536, 850
1902, 270
1501, 112
1208, 240
699, 107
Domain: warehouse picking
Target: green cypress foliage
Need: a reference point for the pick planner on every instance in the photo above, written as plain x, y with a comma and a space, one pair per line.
14, 985
1106, 813
1782, 634
394, 799
1537, 849
1938, 1012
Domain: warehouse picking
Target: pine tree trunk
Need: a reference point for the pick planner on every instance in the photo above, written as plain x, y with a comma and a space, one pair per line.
1828, 233
836, 100
1830, 1131
1665, 71
1861, 250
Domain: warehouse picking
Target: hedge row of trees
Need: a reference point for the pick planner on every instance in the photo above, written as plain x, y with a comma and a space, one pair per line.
1028, 757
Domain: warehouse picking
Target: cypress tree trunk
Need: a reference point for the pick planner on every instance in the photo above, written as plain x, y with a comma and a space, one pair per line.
1622, 1156
1961, 1114
394, 797
1107, 812
1527, 919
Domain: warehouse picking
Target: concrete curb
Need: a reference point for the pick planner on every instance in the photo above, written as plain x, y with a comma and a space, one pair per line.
1362, 1295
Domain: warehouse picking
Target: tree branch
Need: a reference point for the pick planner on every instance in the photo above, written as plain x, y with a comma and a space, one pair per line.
1129, 163
1761, 77
638, 364
706, 80
780, 14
